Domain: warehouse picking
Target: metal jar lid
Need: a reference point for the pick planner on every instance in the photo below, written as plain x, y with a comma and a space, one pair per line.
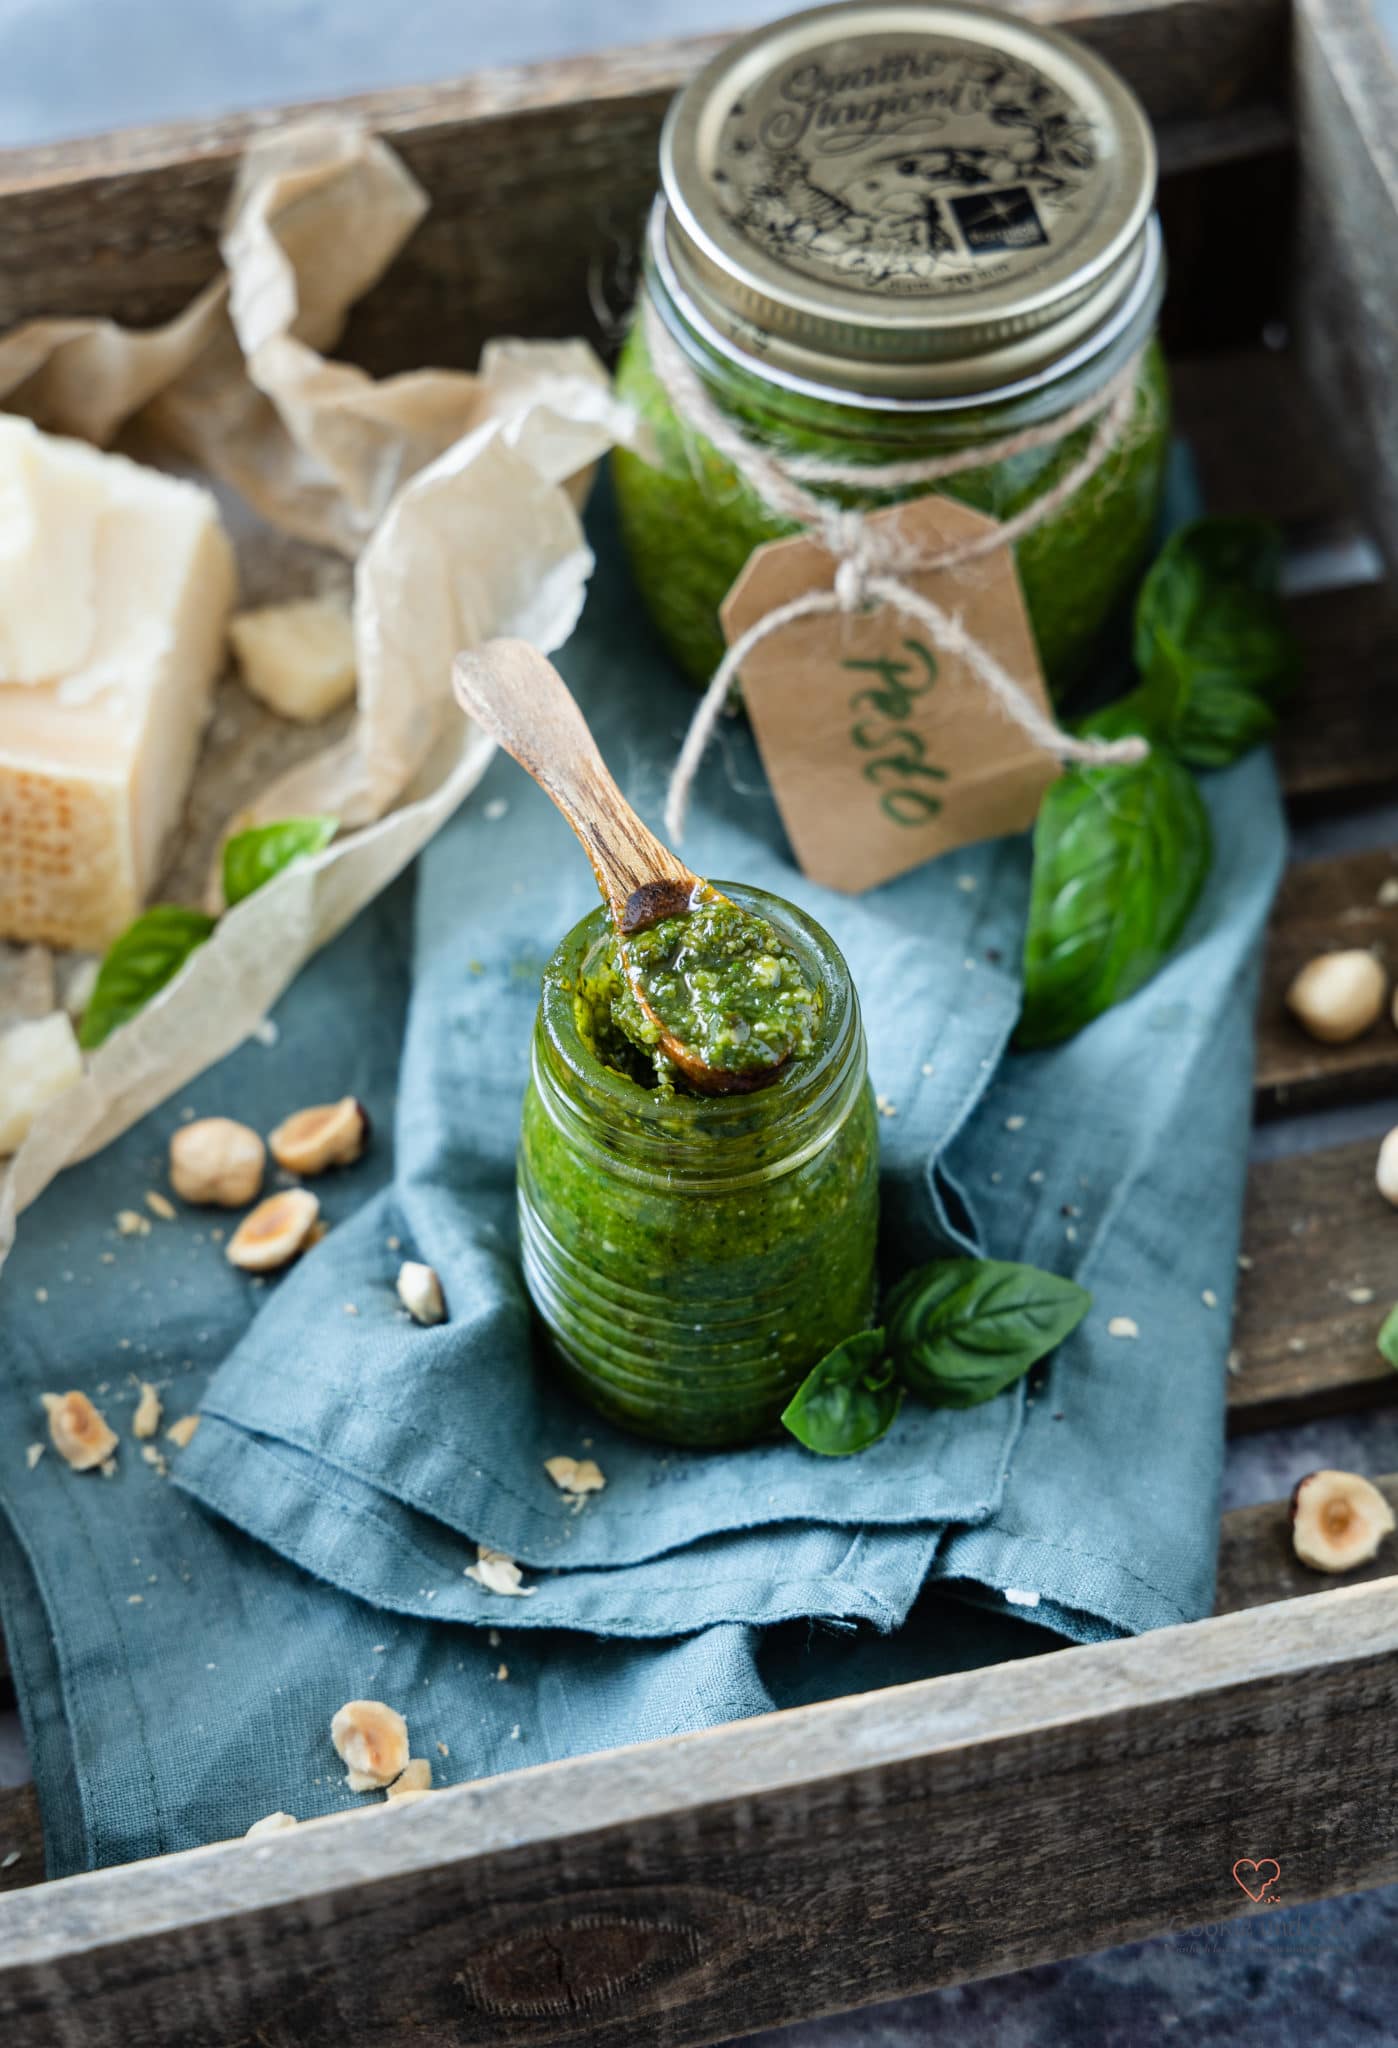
919, 199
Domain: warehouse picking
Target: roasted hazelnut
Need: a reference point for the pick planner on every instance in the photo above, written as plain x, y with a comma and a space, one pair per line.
331, 1134
78, 1431
1338, 1521
274, 1232
217, 1162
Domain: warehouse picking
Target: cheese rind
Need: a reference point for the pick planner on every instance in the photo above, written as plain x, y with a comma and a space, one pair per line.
95, 764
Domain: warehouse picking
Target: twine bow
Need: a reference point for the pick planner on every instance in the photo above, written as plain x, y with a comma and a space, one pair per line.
870, 564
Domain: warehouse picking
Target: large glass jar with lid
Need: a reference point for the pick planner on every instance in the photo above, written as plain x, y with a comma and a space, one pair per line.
888, 233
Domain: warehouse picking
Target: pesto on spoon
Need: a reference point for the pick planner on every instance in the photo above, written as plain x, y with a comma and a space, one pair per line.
715, 988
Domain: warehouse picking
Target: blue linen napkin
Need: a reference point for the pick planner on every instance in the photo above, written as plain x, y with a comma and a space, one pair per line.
177, 1667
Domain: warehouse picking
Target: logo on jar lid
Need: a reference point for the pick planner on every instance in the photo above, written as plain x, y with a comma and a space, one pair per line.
881, 163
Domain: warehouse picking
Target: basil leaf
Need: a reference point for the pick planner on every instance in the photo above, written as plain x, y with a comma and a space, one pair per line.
252, 858
962, 1330
1210, 615
1120, 856
848, 1401
1388, 1337
147, 955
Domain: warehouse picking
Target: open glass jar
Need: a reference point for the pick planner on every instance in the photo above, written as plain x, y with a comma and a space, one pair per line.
692, 1257
889, 233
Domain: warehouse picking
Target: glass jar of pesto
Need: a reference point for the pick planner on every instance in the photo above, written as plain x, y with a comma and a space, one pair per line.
693, 1256
888, 234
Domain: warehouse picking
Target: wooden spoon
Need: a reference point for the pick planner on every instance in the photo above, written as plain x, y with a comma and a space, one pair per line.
516, 695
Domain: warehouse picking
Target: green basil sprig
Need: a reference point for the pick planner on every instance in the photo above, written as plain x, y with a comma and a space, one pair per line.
1211, 635
253, 857
1121, 853
1388, 1337
149, 953
848, 1401
962, 1330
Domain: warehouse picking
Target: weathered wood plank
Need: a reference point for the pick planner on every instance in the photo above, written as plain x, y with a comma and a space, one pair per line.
681, 1891
1321, 1239
1259, 442
21, 1838
1339, 736
1346, 311
127, 224
1324, 906
1256, 1562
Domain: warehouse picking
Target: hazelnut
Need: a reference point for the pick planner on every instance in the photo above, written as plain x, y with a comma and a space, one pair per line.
1338, 996
416, 1777
420, 1292
1338, 1521
373, 1740
216, 1161
331, 1134
274, 1232
78, 1430
1386, 1171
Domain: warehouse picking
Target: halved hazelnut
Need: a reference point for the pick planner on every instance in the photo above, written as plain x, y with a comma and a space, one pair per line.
1338, 1521
420, 1292
217, 1161
416, 1777
274, 1232
372, 1740
331, 1134
79, 1431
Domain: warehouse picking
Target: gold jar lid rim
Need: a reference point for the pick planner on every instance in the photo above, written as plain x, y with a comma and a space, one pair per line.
913, 196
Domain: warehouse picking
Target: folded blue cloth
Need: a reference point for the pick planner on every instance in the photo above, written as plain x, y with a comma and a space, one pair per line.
180, 1648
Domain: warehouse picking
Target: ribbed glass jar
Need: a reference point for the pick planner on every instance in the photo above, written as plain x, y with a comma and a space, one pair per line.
690, 522
693, 1257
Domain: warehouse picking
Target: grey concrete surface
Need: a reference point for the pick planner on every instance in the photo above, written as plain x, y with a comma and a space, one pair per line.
1326, 1977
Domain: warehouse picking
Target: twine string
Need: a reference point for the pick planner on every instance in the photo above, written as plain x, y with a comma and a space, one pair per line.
871, 566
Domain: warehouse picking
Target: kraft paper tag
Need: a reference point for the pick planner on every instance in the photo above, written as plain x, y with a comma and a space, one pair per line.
881, 750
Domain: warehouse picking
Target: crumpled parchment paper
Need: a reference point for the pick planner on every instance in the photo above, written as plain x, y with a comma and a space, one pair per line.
455, 494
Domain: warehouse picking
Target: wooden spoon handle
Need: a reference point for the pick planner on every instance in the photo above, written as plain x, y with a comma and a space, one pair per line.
516, 695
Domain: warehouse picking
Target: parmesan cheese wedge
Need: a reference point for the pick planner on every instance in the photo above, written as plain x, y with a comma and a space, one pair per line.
38, 1062
96, 756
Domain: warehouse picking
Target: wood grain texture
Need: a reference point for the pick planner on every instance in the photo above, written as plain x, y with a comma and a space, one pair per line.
1346, 300
1321, 1238
804, 1862
1338, 740
539, 178
1326, 906
1257, 1564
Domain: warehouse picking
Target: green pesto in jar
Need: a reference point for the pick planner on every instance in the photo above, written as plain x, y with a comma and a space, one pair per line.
689, 521
691, 1256
724, 983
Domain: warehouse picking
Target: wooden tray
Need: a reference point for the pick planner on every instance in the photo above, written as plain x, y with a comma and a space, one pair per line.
683, 1891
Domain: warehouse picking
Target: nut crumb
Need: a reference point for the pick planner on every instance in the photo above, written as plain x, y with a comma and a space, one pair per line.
1360, 1296
182, 1432
41, 1294
131, 1223
1235, 1361
575, 1475
33, 1455
1123, 1326
8, 1862
266, 1033
372, 1739
135, 1599
498, 1573
502, 1672
156, 1459
442, 1749
159, 1205
350, 1309
884, 1106
271, 1824
1209, 1298
1015, 1123
927, 1067
79, 1432
146, 1419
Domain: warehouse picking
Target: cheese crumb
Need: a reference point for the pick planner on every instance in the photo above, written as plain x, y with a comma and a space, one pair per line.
146, 1420
575, 1475
498, 1573
1122, 1326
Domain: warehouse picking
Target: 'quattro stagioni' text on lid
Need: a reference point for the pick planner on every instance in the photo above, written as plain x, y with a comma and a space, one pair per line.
908, 197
